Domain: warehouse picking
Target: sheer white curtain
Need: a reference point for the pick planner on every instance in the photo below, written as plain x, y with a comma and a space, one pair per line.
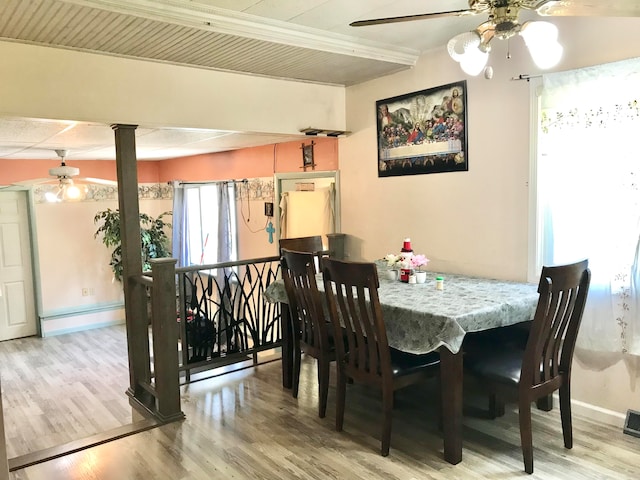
205, 227
588, 193
180, 231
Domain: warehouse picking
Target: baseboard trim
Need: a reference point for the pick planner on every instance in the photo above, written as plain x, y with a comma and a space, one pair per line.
81, 310
593, 412
82, 328
24, 461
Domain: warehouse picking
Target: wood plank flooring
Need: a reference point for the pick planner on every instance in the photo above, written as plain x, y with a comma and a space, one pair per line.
63, 388
245, 426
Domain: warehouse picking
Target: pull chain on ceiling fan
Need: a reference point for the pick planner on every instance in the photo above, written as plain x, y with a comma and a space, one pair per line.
471, 49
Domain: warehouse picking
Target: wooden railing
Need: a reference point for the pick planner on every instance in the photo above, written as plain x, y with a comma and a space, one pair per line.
154, 374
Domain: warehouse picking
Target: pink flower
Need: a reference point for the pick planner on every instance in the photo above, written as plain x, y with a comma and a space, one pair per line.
418, 261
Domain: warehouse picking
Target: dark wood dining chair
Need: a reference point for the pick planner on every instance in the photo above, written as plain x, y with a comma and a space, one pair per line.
311, 244
302, 244
312, 333
544, 365
351, 289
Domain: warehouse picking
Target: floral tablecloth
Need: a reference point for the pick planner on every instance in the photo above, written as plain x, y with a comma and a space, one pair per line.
420, 319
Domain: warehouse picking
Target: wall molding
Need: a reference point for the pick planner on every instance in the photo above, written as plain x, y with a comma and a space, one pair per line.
80, 310
98, 193
260, 188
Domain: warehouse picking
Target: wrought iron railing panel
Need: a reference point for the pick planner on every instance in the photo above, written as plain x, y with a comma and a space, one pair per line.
223, 312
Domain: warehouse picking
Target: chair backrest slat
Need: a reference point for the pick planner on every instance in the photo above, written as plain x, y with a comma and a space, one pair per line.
304, 298
311, 244
563, 294
351, 289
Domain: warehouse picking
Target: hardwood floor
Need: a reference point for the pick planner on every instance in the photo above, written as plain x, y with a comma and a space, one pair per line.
245, 426
63, 388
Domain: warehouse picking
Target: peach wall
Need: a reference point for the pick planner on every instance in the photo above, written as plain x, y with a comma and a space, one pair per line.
19, 170
252, 162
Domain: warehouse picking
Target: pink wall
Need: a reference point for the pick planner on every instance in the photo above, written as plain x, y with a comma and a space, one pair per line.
251, 162
236, 164
19, 170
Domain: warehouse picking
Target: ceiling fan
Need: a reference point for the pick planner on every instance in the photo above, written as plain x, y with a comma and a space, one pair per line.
63, 176
471, 49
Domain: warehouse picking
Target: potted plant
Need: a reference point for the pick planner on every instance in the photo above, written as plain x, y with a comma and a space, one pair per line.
155, 242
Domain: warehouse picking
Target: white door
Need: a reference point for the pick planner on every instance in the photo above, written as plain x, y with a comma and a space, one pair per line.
17, 302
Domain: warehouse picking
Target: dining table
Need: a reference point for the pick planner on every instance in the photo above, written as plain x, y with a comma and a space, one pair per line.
422, 318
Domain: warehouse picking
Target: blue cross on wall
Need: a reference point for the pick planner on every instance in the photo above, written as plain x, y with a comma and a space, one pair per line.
270, 230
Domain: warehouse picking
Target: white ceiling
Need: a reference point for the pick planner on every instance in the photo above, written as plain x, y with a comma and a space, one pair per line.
307, 40
22, 138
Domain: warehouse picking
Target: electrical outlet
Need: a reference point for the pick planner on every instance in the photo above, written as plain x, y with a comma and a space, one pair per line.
85, 292
268, 209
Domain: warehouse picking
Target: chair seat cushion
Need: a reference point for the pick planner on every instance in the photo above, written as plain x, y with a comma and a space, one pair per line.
515, 336
501, 365
403, 363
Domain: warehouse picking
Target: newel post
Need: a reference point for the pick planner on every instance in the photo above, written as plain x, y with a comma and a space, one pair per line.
135, 296
165, 338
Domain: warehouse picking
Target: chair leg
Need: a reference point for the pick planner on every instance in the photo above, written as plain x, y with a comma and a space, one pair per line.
438, 401
565, 414
296, 371
341, 392
323, 386
387, 409
496, 406
526, 435
545, 403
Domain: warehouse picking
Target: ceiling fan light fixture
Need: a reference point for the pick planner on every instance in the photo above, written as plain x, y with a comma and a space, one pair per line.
459, 45
51, 197
71, 192
548, 56
467, 49
64, 171
541, 39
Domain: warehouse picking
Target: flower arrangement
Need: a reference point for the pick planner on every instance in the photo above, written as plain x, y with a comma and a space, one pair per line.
395, 262
418, 261
392, 260
406, 262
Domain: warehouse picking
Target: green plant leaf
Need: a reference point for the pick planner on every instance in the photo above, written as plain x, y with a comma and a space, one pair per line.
154, 240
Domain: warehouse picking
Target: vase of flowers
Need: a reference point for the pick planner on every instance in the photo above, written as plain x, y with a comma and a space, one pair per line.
392, 266
417, 262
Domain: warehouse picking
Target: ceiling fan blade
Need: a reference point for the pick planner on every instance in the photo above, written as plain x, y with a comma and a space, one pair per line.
410, 18
590, 8
33, 181
99, 181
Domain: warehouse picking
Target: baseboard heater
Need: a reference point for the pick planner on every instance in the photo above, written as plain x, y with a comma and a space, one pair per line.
632, 423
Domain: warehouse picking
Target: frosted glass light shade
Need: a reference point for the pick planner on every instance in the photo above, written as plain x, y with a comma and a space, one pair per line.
51, 197
541, 39
72, 192
464, 48
474, 62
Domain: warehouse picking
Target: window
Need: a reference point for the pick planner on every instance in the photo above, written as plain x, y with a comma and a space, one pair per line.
205, 226
588, 193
